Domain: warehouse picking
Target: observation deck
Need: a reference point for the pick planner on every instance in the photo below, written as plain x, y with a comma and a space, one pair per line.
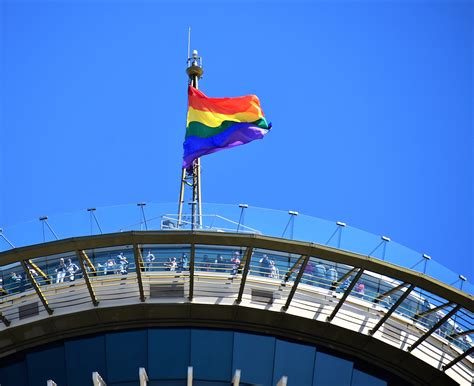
317, 282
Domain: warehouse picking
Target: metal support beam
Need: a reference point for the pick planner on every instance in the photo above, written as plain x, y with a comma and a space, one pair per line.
191, 271
81, 257
392, 309
297, 281
389, 292
293, 268
462, 333
5, 321
35, 285
430, 311
138, 268
89, 263
343, 279
345, 295
459, 358
443, 320
39, 271
247, 257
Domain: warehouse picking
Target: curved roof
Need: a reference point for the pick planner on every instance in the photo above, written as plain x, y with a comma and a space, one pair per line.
398, 318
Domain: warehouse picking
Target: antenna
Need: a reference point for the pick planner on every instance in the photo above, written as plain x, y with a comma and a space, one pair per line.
189, 43
192, 177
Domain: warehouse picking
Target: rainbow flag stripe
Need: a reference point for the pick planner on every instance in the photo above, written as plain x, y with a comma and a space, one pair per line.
215, 124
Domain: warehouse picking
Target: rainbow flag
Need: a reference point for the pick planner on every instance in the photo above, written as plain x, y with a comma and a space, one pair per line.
215, 124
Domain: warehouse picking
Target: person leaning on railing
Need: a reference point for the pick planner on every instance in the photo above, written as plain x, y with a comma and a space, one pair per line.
171, 264
60, 271
220, 263
206, 262
235, 263
72, 269
149, 261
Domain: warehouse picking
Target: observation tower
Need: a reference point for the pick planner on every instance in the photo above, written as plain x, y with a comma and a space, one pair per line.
224, 295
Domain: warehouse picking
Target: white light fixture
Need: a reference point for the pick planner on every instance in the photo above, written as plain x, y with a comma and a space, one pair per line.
341, 224
243, 206
293, 213
427, 257
385, 238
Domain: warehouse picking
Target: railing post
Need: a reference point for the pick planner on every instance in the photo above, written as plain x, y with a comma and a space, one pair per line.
138, 269
296, 282
247, 257
81, 256
35, 285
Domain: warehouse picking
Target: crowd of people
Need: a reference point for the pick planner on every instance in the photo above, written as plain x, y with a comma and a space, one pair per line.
65, 271
114, 266
218, 263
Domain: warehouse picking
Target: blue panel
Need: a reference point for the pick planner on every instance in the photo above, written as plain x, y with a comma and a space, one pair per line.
331, 370
121, 383
294, 360
168, 353
46, 364
253, 354
211, 354
125, 353
83, 357
359, 378
14, 375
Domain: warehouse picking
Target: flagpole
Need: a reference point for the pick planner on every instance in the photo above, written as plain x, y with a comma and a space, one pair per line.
194, 71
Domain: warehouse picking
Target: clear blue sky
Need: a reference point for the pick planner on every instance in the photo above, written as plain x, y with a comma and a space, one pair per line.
371, 104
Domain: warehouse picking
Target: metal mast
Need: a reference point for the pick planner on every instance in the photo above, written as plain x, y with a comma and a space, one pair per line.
192, 178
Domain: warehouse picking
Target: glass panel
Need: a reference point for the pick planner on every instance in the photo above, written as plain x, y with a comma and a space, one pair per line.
83, 357
228, 218
14, 280
331, 370
166, 258
296, 361
125, 353
211, 354
360, 378
15, 374
119, 260
254, 354
168, 353
224, 260
46, 364
324, 274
